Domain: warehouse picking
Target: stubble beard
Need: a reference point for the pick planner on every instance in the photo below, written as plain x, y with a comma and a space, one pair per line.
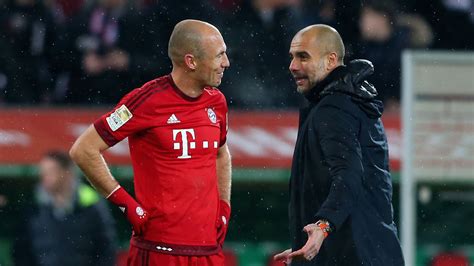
317, 79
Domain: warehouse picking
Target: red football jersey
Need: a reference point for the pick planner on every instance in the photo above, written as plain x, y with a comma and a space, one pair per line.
173, 142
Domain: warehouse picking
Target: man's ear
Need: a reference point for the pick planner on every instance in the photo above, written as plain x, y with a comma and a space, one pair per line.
332, 60
190, 61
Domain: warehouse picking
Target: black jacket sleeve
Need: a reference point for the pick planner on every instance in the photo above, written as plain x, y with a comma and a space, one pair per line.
337, 132
105, 237
22, 252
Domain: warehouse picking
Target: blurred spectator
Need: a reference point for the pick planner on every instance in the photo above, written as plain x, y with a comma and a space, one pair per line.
420, 34
259, 34
95, 51
319, 12
382, 42
175, 11
452, 21
341, 14
26, 42
113, 46
455, 23
69, 224
63, 10
145, 34
96, 65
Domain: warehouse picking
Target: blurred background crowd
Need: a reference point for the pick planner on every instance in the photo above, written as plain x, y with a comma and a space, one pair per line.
92, 52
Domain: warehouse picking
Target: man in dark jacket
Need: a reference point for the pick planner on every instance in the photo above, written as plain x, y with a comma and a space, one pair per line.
340, 207
69, 224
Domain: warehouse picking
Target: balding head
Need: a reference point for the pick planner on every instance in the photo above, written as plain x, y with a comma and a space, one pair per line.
325, 38
188, 37
316, 51
198, 53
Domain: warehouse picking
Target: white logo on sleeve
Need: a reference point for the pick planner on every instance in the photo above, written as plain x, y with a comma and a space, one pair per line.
119, 117
173, 119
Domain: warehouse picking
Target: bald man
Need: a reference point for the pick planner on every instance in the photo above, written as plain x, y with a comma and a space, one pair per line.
176, 127
340, 207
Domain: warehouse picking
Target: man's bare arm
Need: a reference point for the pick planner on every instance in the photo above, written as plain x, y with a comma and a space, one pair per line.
87, 153
224, 173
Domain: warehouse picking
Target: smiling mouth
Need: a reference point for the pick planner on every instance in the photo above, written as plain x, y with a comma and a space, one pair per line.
299, 80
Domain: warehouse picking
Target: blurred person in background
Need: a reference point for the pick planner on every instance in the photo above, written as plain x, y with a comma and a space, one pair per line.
319, 11
452, 21
97, 67
260, 32
145, 33
115, 45
64, 10
340, 209
177, 130
336, 13
69, 223
382, 42
27, 35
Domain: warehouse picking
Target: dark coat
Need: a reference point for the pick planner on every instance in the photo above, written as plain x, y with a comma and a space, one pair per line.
340, 172
83, 235
27, 36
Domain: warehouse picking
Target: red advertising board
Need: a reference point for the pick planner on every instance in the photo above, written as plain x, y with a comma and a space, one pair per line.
256, 139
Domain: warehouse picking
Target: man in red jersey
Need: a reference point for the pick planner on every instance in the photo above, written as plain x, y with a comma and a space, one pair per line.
176, 127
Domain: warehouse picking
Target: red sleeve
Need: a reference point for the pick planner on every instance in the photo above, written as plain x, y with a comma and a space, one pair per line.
127, 118
224, 119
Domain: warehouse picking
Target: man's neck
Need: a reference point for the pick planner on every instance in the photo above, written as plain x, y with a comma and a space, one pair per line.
64, 197
185, 83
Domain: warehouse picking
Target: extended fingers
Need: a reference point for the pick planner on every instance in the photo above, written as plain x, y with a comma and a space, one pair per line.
296, 253
308, 251
283, 255
301, 254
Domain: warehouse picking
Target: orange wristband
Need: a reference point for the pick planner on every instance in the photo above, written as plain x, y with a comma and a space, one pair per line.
324, 226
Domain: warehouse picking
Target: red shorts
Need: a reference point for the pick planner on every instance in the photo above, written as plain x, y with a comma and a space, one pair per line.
144, 257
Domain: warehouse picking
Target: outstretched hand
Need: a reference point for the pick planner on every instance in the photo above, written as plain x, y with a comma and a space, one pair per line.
309, 250
283, 256
312, 246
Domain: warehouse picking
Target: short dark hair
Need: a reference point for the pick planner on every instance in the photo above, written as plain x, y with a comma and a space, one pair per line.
61, 157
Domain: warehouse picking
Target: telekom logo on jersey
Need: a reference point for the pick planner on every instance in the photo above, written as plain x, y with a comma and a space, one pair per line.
187, 144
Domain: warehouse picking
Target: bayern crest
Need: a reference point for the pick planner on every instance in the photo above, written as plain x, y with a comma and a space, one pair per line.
139, 211
211, 115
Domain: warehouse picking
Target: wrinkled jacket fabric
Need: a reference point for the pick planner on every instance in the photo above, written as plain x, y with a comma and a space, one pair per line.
82, 234
340, 172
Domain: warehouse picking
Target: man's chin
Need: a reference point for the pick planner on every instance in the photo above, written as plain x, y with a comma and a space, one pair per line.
214, 84
301, 89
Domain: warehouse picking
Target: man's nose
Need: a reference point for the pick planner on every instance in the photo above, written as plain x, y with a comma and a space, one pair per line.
294, 66
226, 62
